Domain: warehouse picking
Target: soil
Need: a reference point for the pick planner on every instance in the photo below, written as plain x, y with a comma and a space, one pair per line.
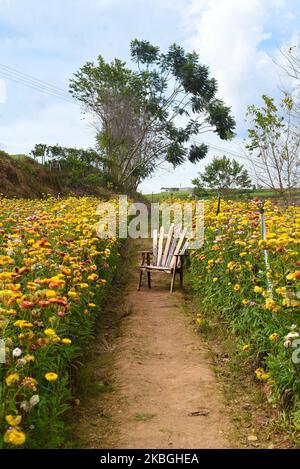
154, 384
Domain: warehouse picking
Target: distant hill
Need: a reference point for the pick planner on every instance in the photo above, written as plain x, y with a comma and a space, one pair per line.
21, 176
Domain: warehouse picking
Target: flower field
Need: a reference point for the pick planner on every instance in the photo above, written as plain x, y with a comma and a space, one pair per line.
260, 305
53, 276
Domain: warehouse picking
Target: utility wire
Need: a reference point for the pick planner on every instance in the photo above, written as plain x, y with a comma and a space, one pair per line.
32, 78
34, 83
255, 162
221, 149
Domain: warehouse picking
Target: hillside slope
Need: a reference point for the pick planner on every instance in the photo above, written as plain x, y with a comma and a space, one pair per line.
21, 176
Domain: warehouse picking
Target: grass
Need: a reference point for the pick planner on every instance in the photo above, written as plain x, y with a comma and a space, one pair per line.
18, 156
245, 400
188, 194
95, 377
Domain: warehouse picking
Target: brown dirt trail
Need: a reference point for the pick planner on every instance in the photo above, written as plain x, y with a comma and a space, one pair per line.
165, 394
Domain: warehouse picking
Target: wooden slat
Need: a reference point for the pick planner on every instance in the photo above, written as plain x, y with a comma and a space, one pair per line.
184, 248
168, 244
171, 251
179, 246
154, 247
160, 245
156, 267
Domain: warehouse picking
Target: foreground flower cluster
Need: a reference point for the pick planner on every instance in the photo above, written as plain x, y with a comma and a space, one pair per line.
53, 272
261, 305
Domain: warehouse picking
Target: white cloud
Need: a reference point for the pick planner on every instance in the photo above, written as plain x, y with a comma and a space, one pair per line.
233, 37
236, 38
58, 123
228, 36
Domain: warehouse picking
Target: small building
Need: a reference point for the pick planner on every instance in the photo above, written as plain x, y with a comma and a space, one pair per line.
170, 189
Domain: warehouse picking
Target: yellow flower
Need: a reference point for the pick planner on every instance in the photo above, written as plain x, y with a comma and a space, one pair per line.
273, 336
245, 347
50, 294
21, 323
66, 341
199, 320
244, 301
14, 436
290, 276
73, 294
49, 332
257, 289
29, 358
237, 287
66, 271
13, 420
215, 279
92, 305
51, 376
12, 379
281, 291
93, 277
271, 305
261, 374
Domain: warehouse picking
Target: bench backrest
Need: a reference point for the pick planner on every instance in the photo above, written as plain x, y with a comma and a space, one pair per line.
166, 246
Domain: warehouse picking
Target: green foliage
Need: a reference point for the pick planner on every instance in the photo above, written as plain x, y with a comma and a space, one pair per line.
221, 175
138, 109
266, 122
274, 140
79, 164
230, 269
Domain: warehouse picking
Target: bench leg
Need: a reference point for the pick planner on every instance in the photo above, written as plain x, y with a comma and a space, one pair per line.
149, 279
173, 275
148, 273
173, 280
181, 272
140, 280
181, 276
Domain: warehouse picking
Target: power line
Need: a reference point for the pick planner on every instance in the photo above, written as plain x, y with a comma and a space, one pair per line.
221, 149
254, 163
35, 84
36, 87
32, 78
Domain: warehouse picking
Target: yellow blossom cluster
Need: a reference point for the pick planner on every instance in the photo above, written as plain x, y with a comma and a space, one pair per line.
53, 268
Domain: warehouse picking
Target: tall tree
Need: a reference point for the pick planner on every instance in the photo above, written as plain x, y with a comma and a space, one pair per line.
222, 175
274, 144
146, 115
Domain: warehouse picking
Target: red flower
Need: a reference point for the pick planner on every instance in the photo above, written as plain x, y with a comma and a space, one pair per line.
59, 301
27, 304
44, 303
61, 253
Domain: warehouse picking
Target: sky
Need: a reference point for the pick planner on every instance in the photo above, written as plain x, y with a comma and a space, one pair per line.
238, 39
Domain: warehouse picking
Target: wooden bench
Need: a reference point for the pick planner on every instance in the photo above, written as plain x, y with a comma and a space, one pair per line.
166, 257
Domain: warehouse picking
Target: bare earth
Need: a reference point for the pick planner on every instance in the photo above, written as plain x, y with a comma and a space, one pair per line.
165, 394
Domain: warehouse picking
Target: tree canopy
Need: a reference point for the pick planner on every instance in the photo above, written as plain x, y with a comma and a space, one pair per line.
148, 114
223, 174
274, 144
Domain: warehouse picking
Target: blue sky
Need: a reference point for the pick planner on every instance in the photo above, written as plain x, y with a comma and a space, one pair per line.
51, 40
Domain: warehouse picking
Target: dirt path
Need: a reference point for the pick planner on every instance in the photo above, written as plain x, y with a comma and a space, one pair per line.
163, 391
